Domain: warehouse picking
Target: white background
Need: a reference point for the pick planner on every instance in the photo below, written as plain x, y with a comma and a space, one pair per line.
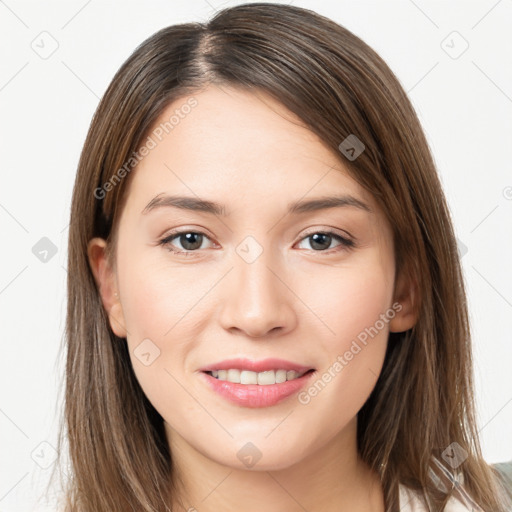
464, 104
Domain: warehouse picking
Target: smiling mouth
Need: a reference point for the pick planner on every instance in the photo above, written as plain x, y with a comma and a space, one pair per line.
265, 378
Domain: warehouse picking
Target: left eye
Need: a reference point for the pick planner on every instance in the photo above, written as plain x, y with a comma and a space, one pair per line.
322, 238
192, 240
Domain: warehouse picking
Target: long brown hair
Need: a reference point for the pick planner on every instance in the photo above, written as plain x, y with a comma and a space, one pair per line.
333, 81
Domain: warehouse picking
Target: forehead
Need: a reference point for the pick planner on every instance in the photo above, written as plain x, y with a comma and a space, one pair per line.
237, 145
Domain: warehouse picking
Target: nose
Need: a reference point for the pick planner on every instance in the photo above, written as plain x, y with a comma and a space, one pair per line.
258, 300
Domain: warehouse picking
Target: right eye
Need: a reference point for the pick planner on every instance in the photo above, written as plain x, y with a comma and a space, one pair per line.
190, 240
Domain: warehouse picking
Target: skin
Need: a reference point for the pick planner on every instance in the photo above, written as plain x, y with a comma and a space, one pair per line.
295, 302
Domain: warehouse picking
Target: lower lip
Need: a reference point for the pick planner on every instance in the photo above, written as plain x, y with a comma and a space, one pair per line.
254, 395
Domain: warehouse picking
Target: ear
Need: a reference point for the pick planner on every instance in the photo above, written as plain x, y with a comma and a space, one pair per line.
107, 285
406, 295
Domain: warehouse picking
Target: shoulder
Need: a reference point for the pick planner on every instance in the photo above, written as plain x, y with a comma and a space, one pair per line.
410, 501
505, 469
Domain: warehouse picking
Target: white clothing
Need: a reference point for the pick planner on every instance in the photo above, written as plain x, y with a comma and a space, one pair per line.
411, 502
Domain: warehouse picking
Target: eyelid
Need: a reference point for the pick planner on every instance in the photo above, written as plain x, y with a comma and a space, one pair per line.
329, 230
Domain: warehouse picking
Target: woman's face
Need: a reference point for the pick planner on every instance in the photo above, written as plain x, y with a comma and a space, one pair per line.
254, 281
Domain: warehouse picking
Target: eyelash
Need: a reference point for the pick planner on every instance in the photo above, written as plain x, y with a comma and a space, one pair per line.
345, 243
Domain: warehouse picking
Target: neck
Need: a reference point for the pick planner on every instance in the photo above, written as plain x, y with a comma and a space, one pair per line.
331, 478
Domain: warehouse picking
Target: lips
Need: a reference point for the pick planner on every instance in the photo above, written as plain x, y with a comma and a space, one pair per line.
255, 395
256, 366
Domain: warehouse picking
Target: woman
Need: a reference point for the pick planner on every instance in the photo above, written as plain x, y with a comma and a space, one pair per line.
265, 303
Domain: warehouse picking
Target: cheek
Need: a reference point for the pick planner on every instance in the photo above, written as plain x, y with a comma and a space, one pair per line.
351, 301
354, 342
165, 303
158, 297
159, 315
147, 302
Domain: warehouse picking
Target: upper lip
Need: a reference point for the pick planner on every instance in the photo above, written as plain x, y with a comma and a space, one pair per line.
255, 366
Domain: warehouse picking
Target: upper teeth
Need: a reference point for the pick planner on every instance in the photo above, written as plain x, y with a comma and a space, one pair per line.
262, 378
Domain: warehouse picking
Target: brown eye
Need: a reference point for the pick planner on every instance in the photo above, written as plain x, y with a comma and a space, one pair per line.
321, 240
190, 241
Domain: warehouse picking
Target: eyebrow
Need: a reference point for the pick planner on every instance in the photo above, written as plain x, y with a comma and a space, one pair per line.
211, 207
